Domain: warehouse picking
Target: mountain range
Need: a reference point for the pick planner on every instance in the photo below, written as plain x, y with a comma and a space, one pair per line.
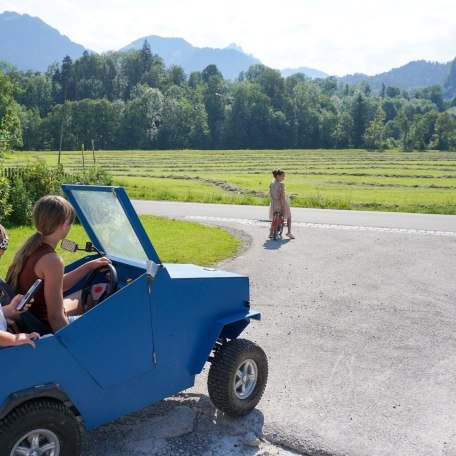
176, 51
418, 73
29, 43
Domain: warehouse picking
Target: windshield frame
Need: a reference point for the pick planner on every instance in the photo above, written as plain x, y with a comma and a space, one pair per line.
129, 212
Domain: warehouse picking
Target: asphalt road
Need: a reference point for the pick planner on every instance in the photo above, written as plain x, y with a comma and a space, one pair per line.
358, 325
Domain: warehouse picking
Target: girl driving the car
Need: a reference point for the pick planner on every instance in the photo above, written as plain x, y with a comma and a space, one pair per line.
37, 258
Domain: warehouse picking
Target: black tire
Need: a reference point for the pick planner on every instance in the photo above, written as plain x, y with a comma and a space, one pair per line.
222, 376
41, 414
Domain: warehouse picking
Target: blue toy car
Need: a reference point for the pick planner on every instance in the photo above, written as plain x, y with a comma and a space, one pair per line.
146, 338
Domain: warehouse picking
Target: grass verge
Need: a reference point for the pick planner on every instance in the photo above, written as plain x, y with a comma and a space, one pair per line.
175, 241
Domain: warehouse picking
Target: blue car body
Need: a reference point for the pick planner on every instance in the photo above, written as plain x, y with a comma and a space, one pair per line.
145, 342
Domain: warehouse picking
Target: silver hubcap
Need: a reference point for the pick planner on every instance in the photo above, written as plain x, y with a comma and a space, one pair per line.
245, 379
40, 442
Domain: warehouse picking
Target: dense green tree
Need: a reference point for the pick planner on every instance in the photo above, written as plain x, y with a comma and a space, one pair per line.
249, 117
215, 100
176, 76
10, 127
445, 128
373, 136
404, 125
292, 81
392, 92
32, 128
434, 93
143, 114
131, 100
182, 122
270, 82
359, 110
307, 119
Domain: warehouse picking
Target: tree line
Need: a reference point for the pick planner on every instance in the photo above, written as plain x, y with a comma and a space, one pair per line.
131, 100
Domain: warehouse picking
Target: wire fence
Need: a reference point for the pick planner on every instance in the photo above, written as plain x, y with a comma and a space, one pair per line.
14, 172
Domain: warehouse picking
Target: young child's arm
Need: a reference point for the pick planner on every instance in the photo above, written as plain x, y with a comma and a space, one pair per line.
7, 339
10, 310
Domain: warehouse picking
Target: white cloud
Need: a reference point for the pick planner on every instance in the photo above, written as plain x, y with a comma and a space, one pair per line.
334, 36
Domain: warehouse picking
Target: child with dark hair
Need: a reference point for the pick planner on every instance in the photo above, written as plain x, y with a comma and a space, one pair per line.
279, 201
10, 311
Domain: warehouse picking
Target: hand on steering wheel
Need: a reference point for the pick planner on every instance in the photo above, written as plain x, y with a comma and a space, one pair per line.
111, 282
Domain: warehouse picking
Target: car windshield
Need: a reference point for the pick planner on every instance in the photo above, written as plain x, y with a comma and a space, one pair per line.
110, 224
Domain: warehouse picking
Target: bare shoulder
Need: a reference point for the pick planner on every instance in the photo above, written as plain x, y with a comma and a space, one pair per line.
51, 262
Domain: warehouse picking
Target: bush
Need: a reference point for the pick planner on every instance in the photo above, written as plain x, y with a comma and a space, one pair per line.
29, 183
5, 205
21, 204
39, 180
93, 176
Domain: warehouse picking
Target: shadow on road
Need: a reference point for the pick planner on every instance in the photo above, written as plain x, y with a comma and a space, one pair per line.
186, 424
270, 244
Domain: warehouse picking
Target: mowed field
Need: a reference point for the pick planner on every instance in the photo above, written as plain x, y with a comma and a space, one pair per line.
340, 179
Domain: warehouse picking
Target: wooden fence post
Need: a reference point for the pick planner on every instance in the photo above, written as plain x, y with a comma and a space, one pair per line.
93, 153
83, 163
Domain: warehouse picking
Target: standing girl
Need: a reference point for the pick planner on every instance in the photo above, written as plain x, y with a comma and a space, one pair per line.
37, 258
279, 201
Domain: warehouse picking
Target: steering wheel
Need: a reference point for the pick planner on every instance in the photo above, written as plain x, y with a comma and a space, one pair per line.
110, 274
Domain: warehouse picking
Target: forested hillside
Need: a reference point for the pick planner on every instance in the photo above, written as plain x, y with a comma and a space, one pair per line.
132, 100
417, 74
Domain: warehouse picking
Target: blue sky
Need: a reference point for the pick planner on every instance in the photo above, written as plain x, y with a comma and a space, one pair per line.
337, 37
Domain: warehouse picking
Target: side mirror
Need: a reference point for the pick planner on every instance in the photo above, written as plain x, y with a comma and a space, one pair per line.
72, 247
69, 246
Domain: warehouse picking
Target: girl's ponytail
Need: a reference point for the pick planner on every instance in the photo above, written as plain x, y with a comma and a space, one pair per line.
32, 244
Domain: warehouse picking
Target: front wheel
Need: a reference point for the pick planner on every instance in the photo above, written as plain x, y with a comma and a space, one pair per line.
237, 377
276, 226
42, 428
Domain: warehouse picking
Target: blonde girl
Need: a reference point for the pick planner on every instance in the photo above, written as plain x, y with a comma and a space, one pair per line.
37, 258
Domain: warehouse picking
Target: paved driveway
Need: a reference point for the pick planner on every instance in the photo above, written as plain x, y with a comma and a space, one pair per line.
358, 325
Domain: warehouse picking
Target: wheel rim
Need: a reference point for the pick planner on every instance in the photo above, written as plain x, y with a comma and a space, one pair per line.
39, 442
245, 379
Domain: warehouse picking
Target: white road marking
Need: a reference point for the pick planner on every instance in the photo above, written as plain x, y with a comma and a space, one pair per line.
325, 226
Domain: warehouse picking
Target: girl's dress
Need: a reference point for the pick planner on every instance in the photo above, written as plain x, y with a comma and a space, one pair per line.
274, 190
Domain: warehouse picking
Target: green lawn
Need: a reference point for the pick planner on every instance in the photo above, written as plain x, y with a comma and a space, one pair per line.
175, 242
348, 179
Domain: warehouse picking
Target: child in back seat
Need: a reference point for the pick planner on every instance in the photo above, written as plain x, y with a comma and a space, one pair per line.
10, 311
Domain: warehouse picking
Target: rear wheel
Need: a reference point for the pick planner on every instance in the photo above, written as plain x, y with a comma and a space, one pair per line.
40, 428
237, 377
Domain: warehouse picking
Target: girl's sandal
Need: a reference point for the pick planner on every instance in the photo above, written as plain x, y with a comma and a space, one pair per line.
290, 236
271, 236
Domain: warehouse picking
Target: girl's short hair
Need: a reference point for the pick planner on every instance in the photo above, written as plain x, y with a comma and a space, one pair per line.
278, 172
